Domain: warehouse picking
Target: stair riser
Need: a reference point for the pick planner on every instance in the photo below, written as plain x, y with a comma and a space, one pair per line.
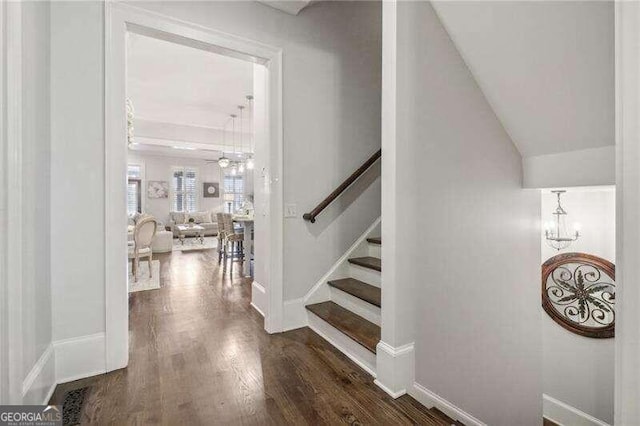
369, 276
356, 352
375, 250
358, 306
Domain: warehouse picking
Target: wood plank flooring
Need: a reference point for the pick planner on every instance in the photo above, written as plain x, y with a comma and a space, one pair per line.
199, 355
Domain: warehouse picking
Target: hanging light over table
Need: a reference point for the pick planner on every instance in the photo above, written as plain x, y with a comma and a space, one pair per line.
250, 161
223, 161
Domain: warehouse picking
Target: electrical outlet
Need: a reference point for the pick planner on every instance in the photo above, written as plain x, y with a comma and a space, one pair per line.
290, 210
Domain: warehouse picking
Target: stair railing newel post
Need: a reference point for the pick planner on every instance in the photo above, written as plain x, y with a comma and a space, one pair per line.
311, 216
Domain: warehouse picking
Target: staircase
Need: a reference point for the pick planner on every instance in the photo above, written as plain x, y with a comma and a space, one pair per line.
350, 320
354, 313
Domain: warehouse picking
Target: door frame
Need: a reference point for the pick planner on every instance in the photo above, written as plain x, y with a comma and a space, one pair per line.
627, 100
120, 19
11, 339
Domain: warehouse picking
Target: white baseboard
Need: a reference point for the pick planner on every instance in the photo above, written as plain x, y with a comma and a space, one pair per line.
394, 367
353, 350
566, 415
294, 314
430, 399
79, 357
259, 298
40, 383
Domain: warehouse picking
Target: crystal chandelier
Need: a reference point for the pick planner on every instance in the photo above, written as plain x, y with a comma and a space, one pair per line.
556, 232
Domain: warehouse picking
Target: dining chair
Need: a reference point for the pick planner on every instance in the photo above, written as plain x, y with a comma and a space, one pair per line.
143, 235
221, 233
233, 247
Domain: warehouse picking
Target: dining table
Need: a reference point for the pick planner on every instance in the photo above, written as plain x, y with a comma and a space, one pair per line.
246, 222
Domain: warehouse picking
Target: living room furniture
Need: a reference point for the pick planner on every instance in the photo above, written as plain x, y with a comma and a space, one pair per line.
205, 219
195, 231
145, 230
162, 242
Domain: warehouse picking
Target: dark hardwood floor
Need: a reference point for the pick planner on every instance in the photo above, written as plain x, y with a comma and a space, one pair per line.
199, 355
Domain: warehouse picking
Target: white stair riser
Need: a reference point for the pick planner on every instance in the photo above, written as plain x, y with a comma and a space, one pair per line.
355, 351
358, 306
375, 250
369, 276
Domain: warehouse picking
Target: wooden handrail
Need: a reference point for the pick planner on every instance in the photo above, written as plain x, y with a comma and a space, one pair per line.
311, 216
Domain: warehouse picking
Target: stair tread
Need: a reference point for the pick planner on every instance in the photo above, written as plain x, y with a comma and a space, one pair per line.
358, 289
367, 262
359, 329
375, 240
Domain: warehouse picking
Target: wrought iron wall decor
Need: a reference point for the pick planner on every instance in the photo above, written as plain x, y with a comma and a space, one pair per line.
578, 292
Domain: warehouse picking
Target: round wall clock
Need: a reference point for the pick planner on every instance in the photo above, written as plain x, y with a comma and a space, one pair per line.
578, 292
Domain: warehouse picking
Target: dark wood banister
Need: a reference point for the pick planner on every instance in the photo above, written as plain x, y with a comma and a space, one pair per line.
311, 216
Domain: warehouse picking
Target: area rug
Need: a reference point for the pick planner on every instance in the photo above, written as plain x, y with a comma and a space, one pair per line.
193, 244
72, 406
144, 281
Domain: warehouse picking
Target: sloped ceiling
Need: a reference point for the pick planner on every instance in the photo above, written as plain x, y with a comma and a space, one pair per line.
546, 68
292, 7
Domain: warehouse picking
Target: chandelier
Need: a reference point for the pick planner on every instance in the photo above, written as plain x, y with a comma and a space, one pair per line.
556, 232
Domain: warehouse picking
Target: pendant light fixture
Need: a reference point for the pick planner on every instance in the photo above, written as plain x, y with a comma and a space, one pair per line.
556, 231
234, 167
250, 161
223, 161
241, 155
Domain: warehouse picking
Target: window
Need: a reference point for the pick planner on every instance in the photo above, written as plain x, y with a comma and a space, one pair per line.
234, 185
134, 189
184, 185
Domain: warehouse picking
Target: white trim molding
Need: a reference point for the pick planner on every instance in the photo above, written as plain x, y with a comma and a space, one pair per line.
259, 299
395, 368
79, 357
40, 383
627, 94
12, 336
566, 415
430, 399
122, 18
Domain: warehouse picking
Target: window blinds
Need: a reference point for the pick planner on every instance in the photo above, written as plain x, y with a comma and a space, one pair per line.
184, 185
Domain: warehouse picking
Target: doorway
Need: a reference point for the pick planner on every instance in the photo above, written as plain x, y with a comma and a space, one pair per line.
122, 20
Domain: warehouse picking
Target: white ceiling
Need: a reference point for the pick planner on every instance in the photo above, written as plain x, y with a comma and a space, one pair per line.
546, 68
172, 83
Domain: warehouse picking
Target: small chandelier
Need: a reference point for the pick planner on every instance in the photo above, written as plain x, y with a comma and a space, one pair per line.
556, 231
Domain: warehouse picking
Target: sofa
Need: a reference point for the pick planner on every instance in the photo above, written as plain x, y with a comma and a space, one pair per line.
206, 219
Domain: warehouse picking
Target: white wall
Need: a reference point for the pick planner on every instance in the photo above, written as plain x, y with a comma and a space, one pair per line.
36, 210
331, 106
467, 242
77, 168
579, 371
157, 167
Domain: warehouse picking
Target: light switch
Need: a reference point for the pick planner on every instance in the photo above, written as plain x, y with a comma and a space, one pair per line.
290, 210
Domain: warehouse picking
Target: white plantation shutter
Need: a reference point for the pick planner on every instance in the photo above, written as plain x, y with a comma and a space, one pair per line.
235, 185
134, 183
184, 186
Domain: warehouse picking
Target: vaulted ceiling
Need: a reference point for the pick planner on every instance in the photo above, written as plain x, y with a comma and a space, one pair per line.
546, 68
